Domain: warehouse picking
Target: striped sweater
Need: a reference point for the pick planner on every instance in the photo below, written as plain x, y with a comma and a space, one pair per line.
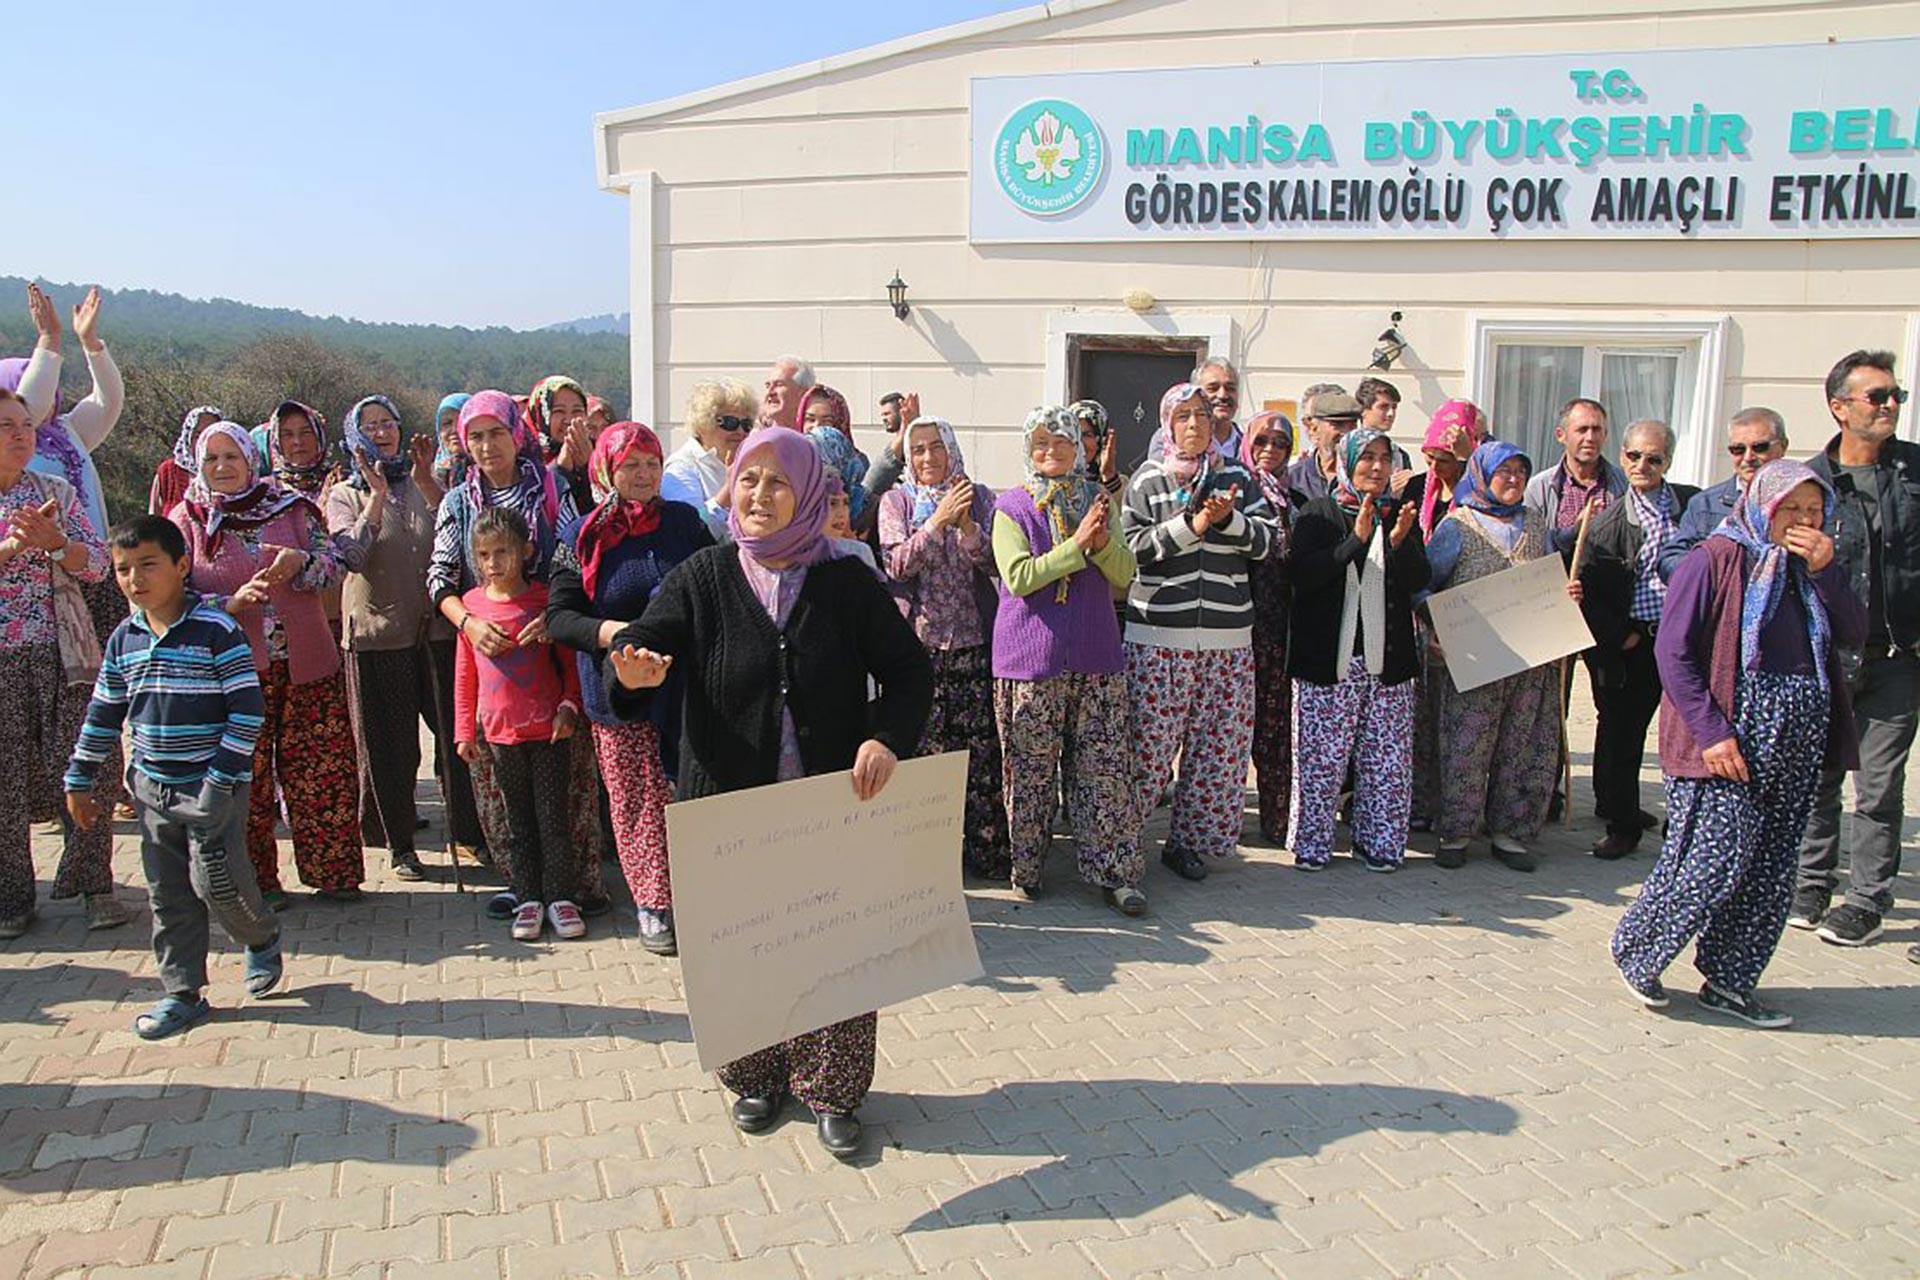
190, 694
1193, 593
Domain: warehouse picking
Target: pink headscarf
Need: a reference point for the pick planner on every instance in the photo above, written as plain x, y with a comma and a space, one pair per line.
1176, 464
1465, 418
804, 539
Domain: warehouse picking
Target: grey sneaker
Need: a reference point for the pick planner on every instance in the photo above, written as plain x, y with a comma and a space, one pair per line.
1651, 993
1746, 1007
1849, 926
1809, 906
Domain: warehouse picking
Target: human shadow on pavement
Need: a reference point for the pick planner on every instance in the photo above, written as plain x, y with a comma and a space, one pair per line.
339, 1004
1100, 1134
59, 1138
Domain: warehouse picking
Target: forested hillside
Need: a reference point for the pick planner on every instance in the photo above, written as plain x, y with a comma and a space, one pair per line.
178, 352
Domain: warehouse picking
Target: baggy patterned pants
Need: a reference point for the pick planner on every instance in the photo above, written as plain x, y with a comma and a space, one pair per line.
1727, 868
1197, 703
638, 791
1369, 724
962, 720
1086, 717
306, 748
830, 1069
40, 718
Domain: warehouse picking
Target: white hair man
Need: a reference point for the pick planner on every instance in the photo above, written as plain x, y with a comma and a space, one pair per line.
788, 380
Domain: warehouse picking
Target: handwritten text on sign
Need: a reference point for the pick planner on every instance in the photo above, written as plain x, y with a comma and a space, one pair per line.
1508, 622
797, 906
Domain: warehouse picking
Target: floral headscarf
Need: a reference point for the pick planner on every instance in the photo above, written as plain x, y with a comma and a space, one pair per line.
531, 493
615, 519
1094, 413
837, 403
261, 500
1183, 469
1352, 445
927, 497
1464, 417
1062, 500
596, 405
1750, 524
1273, 484
804, 538
540, 409
1476, 486
395, 468
837, 452
50, 438
184, 451
309, 478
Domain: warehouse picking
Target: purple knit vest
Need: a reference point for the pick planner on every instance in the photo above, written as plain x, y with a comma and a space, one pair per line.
1035, 637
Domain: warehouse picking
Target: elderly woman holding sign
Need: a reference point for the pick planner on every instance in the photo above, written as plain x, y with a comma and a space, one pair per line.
778, 639
1501, 741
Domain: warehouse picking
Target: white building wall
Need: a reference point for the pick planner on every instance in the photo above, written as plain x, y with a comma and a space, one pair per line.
778, 214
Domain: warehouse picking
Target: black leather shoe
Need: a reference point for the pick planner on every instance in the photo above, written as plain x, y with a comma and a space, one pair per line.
1184, 863
1617, 845
755, 1115
840, 1135
1646, 820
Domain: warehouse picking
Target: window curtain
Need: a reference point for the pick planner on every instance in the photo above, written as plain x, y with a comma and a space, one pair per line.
1529, 386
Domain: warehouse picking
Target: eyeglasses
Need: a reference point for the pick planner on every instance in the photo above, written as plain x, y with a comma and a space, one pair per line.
1651, 459
727, 422
1269, 442
1758, 448
1879, 396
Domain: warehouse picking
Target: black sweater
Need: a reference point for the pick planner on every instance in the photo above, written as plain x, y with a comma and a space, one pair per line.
1323, 547
740, 670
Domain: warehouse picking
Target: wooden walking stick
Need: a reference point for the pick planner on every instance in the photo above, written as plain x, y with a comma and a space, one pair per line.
1566, 671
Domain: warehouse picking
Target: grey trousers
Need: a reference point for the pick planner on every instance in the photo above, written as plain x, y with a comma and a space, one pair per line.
196, 864
1884, 704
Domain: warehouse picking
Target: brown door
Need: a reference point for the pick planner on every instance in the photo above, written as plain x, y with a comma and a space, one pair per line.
1130, 384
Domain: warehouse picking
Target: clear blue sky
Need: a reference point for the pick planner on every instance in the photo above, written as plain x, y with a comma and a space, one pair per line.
389, 160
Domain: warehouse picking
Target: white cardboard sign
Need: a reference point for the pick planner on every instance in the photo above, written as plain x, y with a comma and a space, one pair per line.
1508, 622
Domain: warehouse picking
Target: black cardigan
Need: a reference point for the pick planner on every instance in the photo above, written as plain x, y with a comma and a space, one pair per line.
739, 668
1323, 547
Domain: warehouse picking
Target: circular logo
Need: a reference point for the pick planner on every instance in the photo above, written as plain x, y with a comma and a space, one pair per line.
1049, 157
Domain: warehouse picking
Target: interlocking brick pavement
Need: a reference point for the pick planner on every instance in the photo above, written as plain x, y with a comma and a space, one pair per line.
1271, 1074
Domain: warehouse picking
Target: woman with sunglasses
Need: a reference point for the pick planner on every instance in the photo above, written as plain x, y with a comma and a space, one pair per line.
1623, 594
719, 416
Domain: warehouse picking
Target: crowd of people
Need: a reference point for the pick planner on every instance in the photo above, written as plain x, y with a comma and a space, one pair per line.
591, 626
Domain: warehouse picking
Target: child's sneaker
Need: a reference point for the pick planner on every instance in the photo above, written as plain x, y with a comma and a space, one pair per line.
527, 921
566, 919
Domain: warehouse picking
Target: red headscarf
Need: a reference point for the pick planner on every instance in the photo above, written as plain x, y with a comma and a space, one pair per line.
615, 519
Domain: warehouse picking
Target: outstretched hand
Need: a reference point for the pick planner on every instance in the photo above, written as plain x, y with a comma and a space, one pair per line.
639, 668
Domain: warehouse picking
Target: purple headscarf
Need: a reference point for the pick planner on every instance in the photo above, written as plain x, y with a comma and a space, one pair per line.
50, 438
804, 539
532, 492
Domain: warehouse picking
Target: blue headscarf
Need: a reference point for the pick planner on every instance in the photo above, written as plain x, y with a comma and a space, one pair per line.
444, 458
837, 452
1476, 486
395, 468
1750, 524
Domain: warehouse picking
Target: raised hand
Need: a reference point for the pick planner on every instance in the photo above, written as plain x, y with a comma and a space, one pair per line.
39, 526
1215, 511
86, 320
639, 668
1092, 533
1404, 522
1811, 545
1363, 522
46, 319
376, 479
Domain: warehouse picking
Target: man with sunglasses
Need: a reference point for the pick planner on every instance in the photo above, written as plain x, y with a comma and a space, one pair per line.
1755, 437
1876, 535
1622, 595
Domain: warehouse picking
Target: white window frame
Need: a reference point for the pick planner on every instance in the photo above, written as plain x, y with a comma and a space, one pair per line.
1063, 326
1698, 388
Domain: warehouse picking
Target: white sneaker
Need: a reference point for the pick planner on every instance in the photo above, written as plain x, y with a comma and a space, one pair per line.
566, 920
527, 921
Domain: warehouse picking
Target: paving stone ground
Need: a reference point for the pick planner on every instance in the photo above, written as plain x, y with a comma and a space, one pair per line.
1340, 1075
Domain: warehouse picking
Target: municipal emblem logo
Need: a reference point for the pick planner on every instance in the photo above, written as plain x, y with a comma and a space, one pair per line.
1049, 157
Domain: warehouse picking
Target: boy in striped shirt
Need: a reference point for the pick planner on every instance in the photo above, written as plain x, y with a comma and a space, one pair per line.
180, 673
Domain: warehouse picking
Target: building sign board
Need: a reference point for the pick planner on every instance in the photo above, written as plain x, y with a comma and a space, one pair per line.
1769, 142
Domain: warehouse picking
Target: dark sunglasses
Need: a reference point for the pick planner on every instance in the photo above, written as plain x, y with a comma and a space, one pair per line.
1741, 450
728, 423
1657, 459
1879, 396
1269, 442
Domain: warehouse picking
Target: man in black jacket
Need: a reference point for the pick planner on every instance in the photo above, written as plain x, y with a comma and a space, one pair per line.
1876, 535
1622, 596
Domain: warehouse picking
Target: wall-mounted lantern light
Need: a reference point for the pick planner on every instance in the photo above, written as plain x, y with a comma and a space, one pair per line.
897, 296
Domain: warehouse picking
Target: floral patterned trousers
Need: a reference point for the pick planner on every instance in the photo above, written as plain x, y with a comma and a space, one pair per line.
1272, 735
1199, 704
1502, 754
638, 792
40, 718
1086, 717
1727, 869
306, 748
962, 719
1370, 725
830, 1069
